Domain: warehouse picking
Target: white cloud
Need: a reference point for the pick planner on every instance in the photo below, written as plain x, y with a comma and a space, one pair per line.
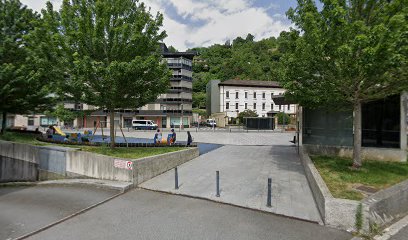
219, 20
37, 5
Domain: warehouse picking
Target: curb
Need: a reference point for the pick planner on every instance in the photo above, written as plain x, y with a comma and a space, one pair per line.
392, 230
68, 183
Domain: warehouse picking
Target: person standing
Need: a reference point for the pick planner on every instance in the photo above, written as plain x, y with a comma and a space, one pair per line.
189, 138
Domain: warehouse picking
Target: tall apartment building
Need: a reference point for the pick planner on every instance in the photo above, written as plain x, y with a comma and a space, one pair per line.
170, 109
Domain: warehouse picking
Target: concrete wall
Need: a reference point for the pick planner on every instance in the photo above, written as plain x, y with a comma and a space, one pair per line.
338, 213
380, 208
55, 162
86, 164
14, 170
378, 154
149, 167
388, 204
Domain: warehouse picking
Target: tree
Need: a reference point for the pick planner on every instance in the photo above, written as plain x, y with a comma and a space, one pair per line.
246, 113
113, 53
283, 118
63, 114
172, 49
347, 54
199, 100
25, 78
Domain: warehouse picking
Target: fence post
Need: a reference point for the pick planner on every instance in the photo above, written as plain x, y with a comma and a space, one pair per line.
218, 183
269, 200
176, 186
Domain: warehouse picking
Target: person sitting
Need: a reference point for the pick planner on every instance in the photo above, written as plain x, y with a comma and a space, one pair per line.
157, 137
173, 137
49, 132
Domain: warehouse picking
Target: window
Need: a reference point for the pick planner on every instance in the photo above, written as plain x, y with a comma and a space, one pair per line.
288, 106
271, 106
227, 94
246, 105
236, 105
254, 105
236, 95
227, 105
254, 95
263, 95
246, 94
30, 121
272, 95
280, 107
263, 106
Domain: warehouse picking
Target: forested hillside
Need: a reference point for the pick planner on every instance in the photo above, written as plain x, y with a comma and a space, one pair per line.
244, 59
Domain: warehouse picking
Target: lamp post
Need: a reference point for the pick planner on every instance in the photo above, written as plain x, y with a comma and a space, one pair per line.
181, 122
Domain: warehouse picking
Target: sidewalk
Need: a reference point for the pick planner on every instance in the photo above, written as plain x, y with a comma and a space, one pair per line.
244, 172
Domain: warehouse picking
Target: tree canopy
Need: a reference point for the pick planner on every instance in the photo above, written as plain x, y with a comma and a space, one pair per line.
26, 74
112, 53
349, 53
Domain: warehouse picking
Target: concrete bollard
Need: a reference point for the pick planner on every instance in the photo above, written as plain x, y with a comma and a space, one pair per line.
269, 200
218, 183
176, 185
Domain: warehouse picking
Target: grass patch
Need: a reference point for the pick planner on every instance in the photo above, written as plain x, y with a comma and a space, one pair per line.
340, 179
131, 153
21, 138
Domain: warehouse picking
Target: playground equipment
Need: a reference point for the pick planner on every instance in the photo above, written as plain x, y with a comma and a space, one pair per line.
59, 131
99, 125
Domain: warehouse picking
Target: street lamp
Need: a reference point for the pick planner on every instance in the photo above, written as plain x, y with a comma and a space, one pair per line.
181, 122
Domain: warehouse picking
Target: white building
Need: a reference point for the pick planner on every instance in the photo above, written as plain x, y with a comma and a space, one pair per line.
235, 96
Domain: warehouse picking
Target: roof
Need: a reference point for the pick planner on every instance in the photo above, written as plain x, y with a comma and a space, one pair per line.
189, 55
281, 100
250, 83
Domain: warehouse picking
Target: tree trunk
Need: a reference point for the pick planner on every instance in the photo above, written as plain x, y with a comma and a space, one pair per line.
112, 128
4, 123
357, 163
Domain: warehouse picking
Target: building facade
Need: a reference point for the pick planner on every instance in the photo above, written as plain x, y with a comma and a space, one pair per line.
235, 96
173, 108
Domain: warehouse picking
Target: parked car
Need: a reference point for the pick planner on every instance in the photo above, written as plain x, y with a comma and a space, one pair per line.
211, 123
144, 125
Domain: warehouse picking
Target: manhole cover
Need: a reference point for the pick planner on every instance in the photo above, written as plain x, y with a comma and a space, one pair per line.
367, 189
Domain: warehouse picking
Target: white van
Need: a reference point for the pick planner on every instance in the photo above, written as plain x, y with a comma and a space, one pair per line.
144, 125
211, 123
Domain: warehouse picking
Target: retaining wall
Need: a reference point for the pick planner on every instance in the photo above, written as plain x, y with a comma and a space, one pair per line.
14, 170
149, 167
387, 205
53, 162
92, 165
377, 154
380, 208
338, 213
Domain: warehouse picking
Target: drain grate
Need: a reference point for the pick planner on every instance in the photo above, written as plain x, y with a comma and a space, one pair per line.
367, 189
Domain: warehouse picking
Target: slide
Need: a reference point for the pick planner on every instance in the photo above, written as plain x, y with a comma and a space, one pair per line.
59, 131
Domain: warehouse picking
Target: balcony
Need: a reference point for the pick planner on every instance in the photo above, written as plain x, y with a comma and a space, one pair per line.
174, 100
181, 78
179, 65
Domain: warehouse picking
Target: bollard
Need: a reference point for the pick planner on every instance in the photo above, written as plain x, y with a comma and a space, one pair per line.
176, 186
218, 183
269, 200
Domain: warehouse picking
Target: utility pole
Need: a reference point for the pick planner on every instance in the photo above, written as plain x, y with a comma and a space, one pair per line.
181, 122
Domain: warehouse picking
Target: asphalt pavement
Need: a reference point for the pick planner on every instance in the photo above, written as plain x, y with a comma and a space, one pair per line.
141, 214
26, 209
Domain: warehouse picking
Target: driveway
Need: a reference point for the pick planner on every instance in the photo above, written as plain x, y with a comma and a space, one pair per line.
244, 171
145, 215
26, 209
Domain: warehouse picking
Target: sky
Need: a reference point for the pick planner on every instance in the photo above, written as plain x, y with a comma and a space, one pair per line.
201, 23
